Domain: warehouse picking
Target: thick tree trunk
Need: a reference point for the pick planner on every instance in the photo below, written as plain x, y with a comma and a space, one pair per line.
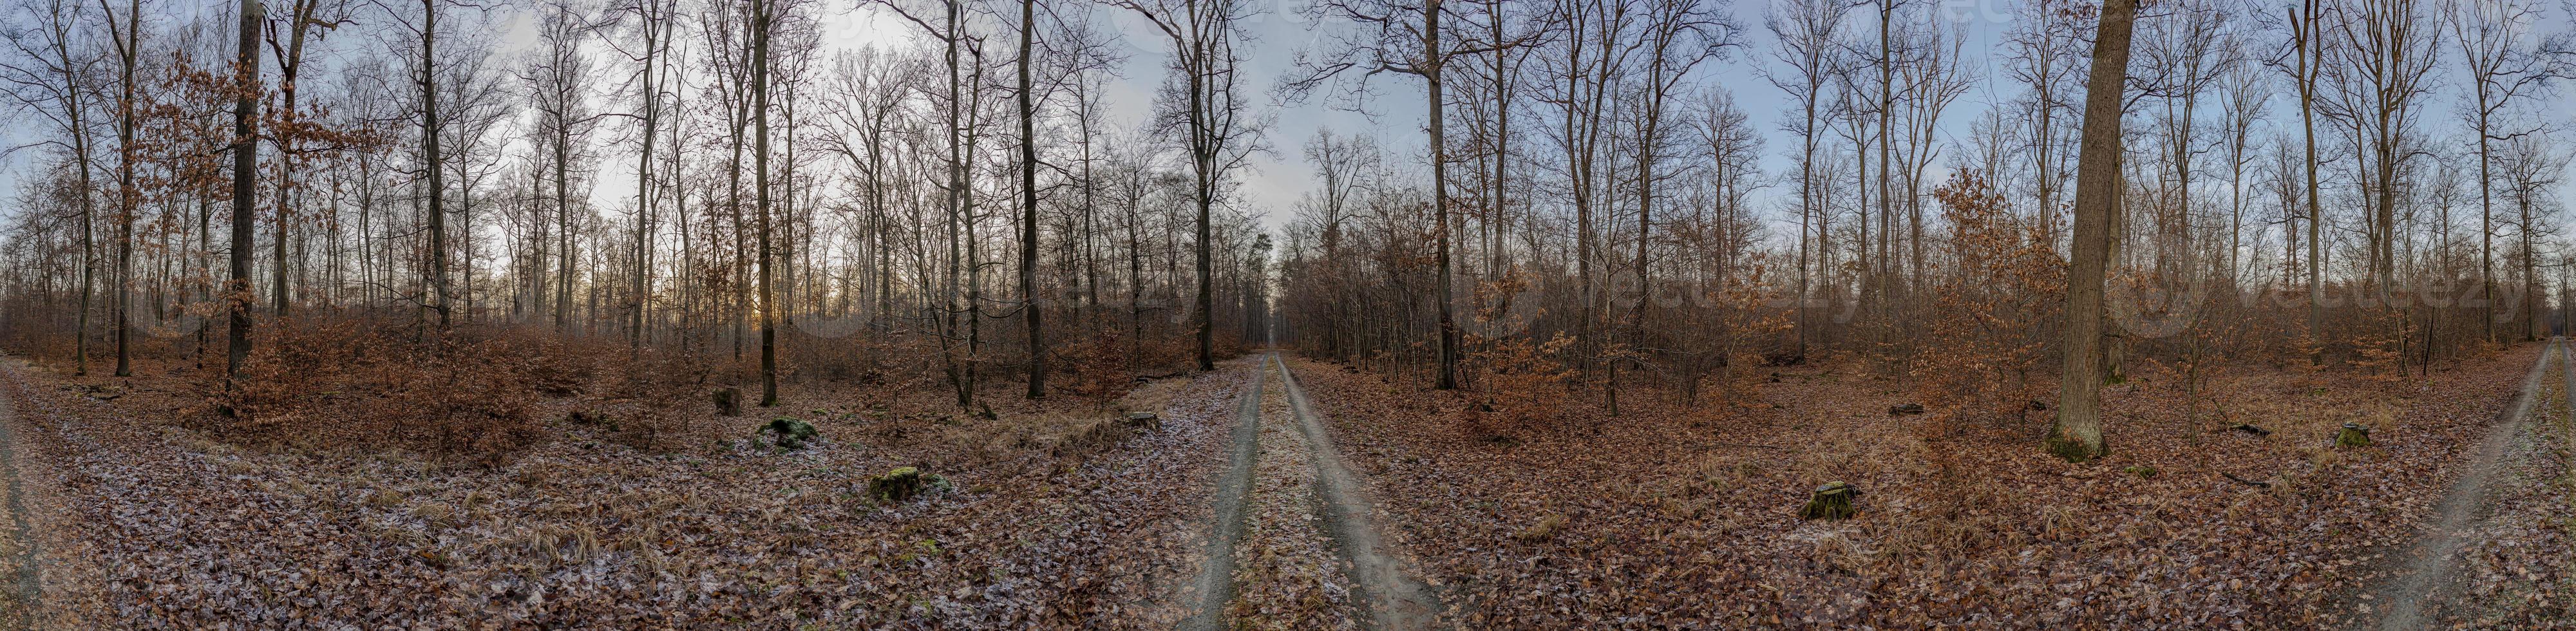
2078, 433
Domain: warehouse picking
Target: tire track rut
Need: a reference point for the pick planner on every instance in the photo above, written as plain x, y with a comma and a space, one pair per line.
2416, 592
28, 583
1216, 578
1389, 598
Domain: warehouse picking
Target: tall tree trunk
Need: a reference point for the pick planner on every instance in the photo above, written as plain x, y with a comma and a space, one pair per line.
62, 27
1031, 307
237, 296
1431, 70
129, 50
431, 160
563, 221
2078, 432
2311, 55
644, 188
2486, 223
760, 24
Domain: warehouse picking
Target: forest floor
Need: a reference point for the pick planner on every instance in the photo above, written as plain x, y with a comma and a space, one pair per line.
1318, 496
1685, 515
1043, 517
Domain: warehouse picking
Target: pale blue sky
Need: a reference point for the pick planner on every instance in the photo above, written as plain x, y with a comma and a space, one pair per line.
1276, 179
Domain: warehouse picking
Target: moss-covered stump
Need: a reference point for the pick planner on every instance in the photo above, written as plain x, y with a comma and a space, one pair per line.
728, 401
901, 485
789, 433
1831, 501
2352, 435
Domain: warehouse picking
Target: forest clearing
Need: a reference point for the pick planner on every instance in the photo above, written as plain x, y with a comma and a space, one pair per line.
1329, 314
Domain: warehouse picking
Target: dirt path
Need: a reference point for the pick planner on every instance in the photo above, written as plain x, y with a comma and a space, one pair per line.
1287, 574
1388, 598
2414, 595
1216, 578
21, 548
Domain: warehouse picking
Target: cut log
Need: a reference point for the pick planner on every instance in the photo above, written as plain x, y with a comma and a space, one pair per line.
1909, 408
2250, 429
1144, 421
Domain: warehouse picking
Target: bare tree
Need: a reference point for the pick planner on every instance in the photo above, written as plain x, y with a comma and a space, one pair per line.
2240, 108
762, 22
127, 39
44, 75
2505, 65
2388, 47
558, 79
301, 17
1679, 35
654, 20
2308, 49
1209, 114
1807, 32
1033, 311
2532, 166
432, 166
2077, 435
245, 168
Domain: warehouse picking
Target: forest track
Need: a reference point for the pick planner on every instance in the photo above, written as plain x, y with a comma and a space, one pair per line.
1388, 597
1216, 577
27, 586
2416, 591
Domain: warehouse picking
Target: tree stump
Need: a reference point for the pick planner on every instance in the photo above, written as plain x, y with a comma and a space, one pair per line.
728, 401
1831, 501
2353, 435
903, 484
789, 433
